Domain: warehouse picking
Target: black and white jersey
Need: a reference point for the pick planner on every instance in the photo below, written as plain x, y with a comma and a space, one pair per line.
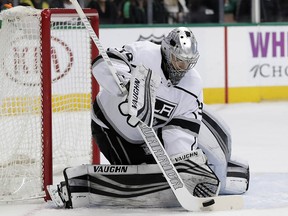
178, 109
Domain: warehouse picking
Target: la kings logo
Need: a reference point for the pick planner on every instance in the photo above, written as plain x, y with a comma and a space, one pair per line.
163, 111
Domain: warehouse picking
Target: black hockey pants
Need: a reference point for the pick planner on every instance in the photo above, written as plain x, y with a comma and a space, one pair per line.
117, 150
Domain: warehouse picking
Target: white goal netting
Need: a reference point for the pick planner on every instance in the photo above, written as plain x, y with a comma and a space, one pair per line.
21, 96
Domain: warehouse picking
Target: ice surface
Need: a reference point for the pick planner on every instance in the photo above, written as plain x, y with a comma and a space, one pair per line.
259, 134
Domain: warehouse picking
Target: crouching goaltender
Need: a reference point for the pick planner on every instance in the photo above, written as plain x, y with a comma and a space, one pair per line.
197, 141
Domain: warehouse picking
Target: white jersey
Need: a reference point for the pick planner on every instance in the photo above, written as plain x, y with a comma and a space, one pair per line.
178, 109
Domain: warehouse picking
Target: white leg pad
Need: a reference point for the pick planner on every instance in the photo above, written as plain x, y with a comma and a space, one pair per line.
237, 180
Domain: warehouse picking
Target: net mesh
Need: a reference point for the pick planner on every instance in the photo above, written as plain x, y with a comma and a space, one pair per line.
21, 173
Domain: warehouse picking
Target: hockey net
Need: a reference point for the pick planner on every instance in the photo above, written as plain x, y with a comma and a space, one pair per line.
46, 88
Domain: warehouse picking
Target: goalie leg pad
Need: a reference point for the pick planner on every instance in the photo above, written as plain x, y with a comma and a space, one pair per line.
136, 185
238, 175
119, 185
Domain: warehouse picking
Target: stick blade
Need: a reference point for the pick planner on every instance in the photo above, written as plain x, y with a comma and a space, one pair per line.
223, 203
218, 203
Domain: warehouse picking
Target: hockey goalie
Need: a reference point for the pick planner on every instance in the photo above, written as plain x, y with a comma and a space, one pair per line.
165, 92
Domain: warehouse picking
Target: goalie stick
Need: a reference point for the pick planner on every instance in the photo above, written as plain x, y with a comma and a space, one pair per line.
118, 79
185, 198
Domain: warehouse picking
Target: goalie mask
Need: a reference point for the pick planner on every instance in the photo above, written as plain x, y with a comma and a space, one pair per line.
179, 52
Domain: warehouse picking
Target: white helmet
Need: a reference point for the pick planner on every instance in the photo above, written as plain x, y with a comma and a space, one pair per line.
180, 53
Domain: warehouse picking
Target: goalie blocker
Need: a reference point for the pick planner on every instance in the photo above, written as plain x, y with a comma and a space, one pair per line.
140, 185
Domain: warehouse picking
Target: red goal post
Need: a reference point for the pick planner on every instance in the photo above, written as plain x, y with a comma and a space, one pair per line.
46, 92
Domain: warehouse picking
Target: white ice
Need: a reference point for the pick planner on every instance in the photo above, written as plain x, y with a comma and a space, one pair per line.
260, 136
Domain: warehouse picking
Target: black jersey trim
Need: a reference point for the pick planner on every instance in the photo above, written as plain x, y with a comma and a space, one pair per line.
185, 124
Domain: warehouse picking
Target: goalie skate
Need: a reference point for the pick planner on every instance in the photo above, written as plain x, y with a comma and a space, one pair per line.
59, 195
55, 196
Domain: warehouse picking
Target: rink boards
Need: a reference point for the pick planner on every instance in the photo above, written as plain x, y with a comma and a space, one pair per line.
238, 63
